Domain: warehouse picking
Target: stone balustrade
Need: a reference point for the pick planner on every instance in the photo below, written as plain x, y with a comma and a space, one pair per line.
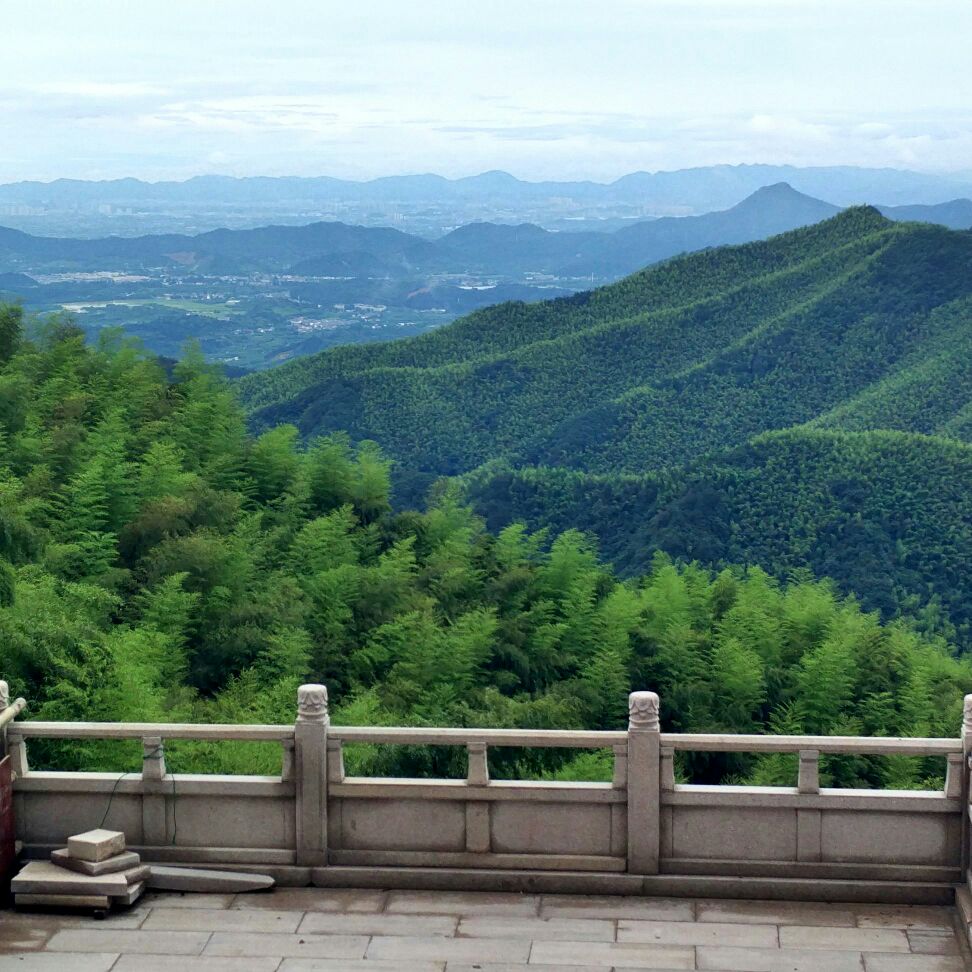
640, 833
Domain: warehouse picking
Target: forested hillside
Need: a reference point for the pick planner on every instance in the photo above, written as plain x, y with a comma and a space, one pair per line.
692, 400
157, 562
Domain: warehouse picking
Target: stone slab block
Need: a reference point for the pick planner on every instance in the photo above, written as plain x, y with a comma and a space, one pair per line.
616, 906
531, 967
132, 895
432, 949
194, 963
775, 960
120, 862
128, 941
474, 903
932, 941
96, 845
43, 877
222, 919
538, 929
246, 944
337, 900
849, 939
96, 901
199, 879
698, 933
613, 955
317, 923
50, 962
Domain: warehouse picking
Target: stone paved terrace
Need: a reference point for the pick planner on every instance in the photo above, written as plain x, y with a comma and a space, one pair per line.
318, 930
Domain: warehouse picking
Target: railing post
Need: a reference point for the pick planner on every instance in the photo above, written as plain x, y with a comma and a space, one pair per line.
310, 758
808, 776
644, 782
966, 783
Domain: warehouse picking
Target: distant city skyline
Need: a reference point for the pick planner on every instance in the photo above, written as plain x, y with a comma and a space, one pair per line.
545, 90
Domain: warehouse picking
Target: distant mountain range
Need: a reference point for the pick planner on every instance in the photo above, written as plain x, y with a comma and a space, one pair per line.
802, 402
336, 249
694, 190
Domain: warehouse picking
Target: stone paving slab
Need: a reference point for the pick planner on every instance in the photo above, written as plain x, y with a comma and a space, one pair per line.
433, 949
317, 923
777, 913
472, 903
52, 962
846, 939
616, 906
362, 965
217, 919
613, 955
313, 899
194, 963
128, 942
246, 944
539, 929
698, 933
721, 959
903, 916
193, 899
914, 963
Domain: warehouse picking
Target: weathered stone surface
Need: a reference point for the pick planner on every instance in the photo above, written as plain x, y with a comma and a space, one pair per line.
133, 942
314, 899
861, 939
698, 933
194, 963
96, 845
222, 919
914, 963
132, 895
932, 941
776, 912
120, 862
462, 903
903, 916
353, 965
613, 955
43, 877
538, 929
616, 906
776, 960
287, 946
189, 899
50, 962
364, 924
430, 948
198, 879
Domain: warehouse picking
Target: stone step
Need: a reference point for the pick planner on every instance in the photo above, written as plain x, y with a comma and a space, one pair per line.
100, 902
120, 862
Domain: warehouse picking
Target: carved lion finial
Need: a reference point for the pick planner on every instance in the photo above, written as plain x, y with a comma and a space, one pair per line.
643, 711
967, 716
312, 703
4, 695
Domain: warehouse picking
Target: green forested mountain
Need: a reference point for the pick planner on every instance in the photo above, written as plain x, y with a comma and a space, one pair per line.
696, 406
157, 562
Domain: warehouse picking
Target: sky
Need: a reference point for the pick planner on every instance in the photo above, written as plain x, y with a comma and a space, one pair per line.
545, 89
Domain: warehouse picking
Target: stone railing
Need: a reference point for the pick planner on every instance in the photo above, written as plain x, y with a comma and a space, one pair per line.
640, 833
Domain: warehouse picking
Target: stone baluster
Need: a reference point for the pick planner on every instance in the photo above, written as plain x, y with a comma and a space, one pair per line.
808, 776
620, 780
17, 751
644, 782
155, 830
335, 761
668, 769
953, 776
310, 759
287, 762
4, 703
153, 759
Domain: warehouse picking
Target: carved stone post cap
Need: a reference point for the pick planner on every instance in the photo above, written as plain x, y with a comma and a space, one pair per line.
312, 703
643, 708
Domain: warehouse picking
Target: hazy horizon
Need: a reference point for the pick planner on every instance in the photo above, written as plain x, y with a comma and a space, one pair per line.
546, 91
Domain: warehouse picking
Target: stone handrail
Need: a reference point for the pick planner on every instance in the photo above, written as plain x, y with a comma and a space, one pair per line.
639, 831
